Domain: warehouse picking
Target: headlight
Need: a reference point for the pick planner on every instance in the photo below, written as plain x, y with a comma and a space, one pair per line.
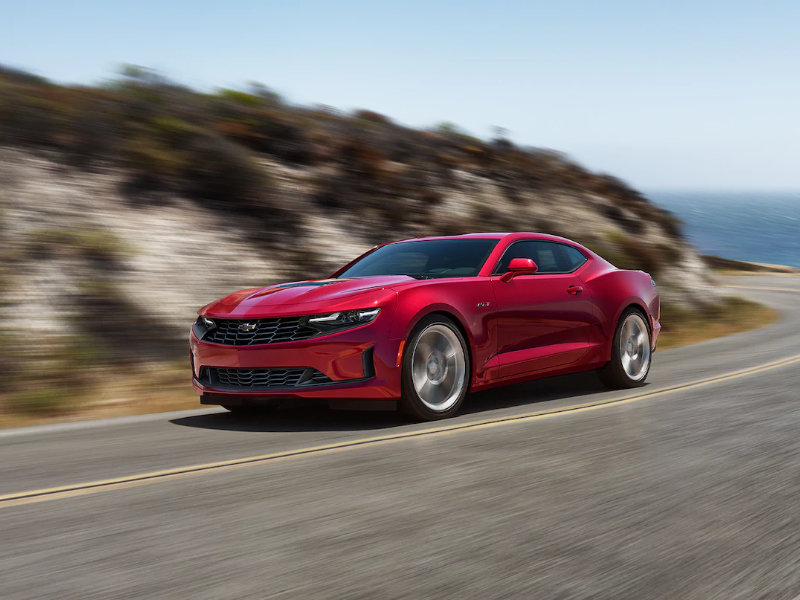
344, 319
207, 322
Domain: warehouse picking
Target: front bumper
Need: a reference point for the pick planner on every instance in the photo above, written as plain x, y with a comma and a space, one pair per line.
356, 364
655, 328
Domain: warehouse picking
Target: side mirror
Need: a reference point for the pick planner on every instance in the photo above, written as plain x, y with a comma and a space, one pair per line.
519, 266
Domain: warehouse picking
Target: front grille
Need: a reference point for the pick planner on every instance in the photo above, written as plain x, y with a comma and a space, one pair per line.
265, 331
263, 379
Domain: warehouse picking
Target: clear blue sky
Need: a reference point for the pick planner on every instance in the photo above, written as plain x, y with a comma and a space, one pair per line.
667, 95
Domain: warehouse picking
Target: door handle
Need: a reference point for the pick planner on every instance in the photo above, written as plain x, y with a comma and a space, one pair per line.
574, 289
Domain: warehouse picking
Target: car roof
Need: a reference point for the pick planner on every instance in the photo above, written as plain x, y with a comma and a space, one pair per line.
510, 236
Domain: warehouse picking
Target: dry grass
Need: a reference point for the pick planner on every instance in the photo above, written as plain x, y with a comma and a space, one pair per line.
726, 266
166, 387
738, 273
682, 327
150, 389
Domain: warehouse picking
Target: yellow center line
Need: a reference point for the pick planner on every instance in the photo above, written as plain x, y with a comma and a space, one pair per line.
88, 487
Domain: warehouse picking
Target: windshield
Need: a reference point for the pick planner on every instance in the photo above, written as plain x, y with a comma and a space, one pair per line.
425, 259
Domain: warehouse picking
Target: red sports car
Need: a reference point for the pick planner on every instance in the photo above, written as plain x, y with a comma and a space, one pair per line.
417, 324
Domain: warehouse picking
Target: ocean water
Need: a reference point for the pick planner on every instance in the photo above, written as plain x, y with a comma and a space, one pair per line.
759, 227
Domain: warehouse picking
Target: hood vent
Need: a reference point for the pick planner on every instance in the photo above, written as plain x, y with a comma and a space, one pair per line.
308, 283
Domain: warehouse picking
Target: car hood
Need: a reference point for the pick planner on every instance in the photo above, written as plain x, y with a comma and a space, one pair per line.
313, 295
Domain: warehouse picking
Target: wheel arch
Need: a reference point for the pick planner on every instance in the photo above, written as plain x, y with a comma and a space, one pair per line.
461, 328
636, 305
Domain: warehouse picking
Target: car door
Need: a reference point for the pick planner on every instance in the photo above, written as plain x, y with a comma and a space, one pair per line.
543, 319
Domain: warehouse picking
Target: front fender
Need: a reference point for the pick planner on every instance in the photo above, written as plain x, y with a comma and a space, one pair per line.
470, 301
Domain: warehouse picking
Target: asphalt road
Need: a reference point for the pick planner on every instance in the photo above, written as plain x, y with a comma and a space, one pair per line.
686, 488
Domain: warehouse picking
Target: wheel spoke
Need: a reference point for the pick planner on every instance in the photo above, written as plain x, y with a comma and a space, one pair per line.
432, 393
438, 367
449, 380
424, 349
634, 347
626, 332
635, 366
420, 377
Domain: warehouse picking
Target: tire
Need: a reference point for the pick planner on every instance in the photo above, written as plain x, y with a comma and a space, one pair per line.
436, 370
631, 355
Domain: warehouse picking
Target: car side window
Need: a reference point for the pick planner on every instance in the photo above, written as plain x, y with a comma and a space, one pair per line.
574, 256
550, 257
516, 250
546, 258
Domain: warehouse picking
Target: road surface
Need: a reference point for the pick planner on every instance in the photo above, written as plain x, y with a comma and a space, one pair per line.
686, 488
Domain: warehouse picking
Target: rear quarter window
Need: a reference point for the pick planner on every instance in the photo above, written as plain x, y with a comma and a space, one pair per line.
574, 256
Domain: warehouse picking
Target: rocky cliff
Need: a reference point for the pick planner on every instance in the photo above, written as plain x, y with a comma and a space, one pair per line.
125, 208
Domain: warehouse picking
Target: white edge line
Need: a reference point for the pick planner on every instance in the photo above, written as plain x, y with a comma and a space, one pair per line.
51, 428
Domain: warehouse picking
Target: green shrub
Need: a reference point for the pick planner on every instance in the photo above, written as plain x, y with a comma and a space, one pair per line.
201, 164
371, 116
171, 130
243, 98
97, 245
48, 378
216, 169
175, 140
669, 222
626, 252
670, 252
118, 330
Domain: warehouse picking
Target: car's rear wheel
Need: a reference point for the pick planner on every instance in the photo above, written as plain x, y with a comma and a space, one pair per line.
435, 370
630, 352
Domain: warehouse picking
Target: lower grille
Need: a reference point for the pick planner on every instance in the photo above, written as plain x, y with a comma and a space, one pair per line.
263, 379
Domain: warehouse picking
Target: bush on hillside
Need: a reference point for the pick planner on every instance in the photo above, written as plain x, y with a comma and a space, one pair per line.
203, 145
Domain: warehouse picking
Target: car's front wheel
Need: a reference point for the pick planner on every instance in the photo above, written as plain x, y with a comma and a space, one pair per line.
435, 370
630, 352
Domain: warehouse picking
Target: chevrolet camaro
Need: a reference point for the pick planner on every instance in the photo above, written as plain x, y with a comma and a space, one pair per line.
417, 324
